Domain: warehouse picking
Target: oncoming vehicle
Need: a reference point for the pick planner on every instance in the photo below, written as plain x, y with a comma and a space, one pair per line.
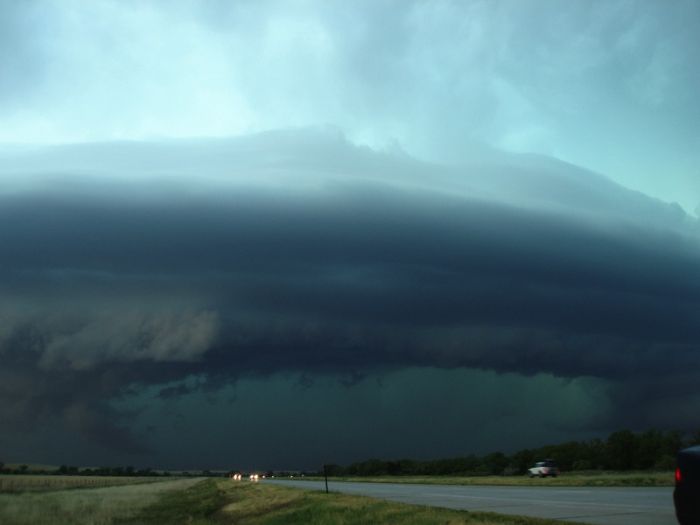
686, 495
543, 469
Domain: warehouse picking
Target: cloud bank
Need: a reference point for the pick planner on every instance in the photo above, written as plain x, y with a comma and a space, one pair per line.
168, 255
299, 252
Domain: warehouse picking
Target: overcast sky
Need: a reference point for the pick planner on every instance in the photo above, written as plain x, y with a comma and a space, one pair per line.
277, 234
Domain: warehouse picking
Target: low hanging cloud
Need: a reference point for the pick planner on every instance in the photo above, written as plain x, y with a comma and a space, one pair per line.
129, 265
124, 336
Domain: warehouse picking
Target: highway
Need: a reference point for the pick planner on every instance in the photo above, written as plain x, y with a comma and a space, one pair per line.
594, 505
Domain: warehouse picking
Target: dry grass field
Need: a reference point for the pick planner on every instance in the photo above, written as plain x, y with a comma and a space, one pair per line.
94, 506
25, 483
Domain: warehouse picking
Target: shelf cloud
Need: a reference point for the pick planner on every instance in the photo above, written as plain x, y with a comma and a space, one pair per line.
224, 215
297, 251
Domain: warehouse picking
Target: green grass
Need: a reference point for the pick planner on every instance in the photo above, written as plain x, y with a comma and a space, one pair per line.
274, 505
574, 479
195, 506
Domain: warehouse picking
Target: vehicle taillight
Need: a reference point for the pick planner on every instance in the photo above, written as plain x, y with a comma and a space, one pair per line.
679, 477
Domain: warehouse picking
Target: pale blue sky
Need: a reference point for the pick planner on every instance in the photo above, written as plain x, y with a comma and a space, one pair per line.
610, 86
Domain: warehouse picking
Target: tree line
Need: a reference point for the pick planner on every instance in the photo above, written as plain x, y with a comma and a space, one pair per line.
68, 470
621, 451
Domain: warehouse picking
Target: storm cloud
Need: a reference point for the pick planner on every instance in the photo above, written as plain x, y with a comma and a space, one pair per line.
303, 253
232, 213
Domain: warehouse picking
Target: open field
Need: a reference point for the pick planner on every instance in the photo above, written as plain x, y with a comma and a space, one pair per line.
95, 506
574, 479
203, 502
24, 483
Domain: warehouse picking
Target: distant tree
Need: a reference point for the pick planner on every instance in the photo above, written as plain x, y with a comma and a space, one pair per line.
523, 460
673, 442
596, 454
582, 464
650, 447
495, 463
393, 468
694, 439
622, 449
334, 470
665, 462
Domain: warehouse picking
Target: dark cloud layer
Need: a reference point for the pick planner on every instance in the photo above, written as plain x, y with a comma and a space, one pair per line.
147, 285
299, 252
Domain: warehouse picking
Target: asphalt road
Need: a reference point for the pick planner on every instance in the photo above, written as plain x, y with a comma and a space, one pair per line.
595, 505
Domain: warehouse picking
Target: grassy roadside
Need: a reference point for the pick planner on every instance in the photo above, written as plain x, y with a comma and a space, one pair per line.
586, 479
196, 505
216, 502
90, 506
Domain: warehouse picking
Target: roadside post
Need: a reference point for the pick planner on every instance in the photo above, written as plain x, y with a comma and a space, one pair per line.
325, 475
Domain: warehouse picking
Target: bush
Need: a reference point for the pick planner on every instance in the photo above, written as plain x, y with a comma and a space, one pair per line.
666, 462
582, 464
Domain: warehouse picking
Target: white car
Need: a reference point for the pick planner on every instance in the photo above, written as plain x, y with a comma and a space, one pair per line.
543, 469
